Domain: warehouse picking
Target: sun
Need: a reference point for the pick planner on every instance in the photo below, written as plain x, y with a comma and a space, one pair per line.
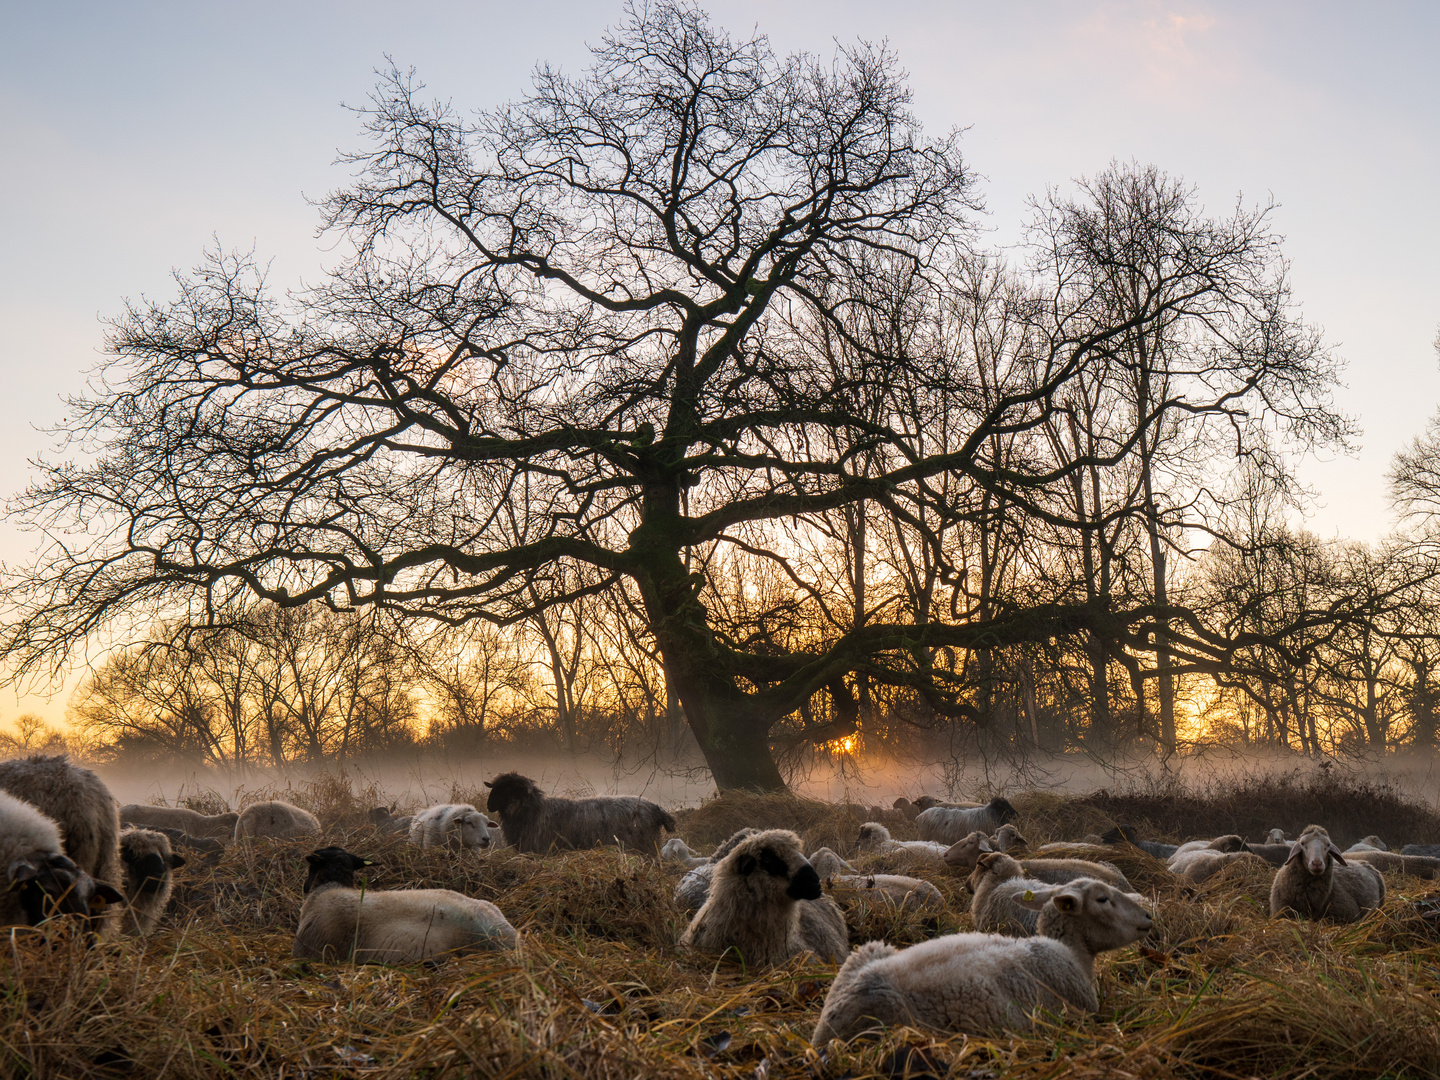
848, 745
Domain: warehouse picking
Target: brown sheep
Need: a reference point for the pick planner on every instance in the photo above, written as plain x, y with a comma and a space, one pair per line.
766, 905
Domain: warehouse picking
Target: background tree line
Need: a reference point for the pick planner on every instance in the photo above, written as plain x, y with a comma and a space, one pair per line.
683, 389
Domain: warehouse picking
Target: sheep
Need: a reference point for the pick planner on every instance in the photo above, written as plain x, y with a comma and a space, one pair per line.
40, 879
385, 820
876, 837
1128, 834
895, 890
148, 861
275, 819
534, 821
828, 864
766, 904
1368, 843
190, 822
964, 853
947, 824
458, 826
999, 882
677, 851
1060, 871
1230, 842
1318, 882
339, 923
1387, 862
1008, 838
1274, 854
694, 887
1431, 851
1275, 836
1197, 866
978, 983
927, 802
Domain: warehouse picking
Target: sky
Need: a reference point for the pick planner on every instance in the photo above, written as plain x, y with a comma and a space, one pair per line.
135, 135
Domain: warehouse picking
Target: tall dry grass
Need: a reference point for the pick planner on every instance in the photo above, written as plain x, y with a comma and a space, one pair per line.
598, 989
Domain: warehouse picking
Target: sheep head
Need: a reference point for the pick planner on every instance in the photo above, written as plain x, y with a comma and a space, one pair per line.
1098, 914
1002, 809
872, 835
1315, 850
994, 864
964, 853
509, 791
333, 866
51, 884
768, 860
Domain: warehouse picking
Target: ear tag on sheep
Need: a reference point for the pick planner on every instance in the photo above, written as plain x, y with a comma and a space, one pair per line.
1029, 895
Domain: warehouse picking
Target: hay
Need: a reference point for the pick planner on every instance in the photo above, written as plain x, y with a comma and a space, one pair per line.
598, 989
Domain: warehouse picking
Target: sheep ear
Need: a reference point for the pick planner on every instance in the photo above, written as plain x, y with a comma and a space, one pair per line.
1066, 901
106, 894
1296, 853
21, 871
176, 861
1339, 855
488, 784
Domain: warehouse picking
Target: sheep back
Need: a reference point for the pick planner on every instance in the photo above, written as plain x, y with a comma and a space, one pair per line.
945, 825
339, 924
1061, 871
275, 819
182, 818
536, 822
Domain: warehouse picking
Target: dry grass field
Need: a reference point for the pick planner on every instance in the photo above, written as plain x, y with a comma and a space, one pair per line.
598, 989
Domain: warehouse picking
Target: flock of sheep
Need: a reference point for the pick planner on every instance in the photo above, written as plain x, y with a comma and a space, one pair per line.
1041, 917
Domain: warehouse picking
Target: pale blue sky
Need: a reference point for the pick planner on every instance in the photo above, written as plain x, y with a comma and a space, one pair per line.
130, 133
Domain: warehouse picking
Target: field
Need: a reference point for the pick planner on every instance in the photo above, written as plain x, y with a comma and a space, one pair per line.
598, 988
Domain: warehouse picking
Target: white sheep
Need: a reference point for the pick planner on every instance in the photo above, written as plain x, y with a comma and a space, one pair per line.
677, 851
1316, 881
148, 862
458, 826
190, 822
1198, 866
978, 983
1368, 843
1387, 862
1227, 843
1000, 886
828, 864
766, 905
40, 879
945, 825
1275, 836
965, 852
339, 922
876, 837
1007, 838
277, 820
891, 890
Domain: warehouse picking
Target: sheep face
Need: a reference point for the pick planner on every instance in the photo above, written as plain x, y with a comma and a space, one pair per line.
1108, 918
149, 868
510, 790
770, 863
1275, 836
50, 884
1008, 838
473, 829
925, 802
1314, 850
333, 866
964, 854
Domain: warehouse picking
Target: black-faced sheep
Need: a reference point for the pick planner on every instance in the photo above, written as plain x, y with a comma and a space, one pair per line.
277, 820
40, 879
79, 802
1128, 834
339, 922
190, 822
694, 887
148, 860
534, 821
945, 825
458, 826
979, 983
766, 905
1317, 881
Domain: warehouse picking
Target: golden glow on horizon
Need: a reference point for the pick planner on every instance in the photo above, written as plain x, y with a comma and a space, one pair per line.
848, 745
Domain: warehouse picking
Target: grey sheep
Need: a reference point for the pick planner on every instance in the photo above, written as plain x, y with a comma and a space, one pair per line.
1230, 842
1317, 881
828, 864
1060, 871
339, 922
694, 887
1274, 854
766, 905
534, 821
79, 802
148, 862
385, 820
41, 881
277, 820
945, 825
457, 826
1007, 838
1431, 851
1387, 862
876, 837
978, 983
1198, 866
190, 822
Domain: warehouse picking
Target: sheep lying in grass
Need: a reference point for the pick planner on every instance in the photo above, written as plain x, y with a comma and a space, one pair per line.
187, 821
339, 922
148, 860
457, 826
965, 856
875, 837
1368, 843
40, 880
694, 887
945, 825
1387, 862
1274, 854
978, 983
1231, 842
1007, 838
906, 893
1198, 866
1431, 851
766, 905
828, 864
1129, 834
76, 800
534, 821
999, 884
385, 819
1318, 882
677, 851
277, 820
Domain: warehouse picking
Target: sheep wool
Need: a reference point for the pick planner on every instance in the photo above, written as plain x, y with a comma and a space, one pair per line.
340, 923
458, 826
945, 825
999, 884
979, 983
148, 862
534, 821
694, 887
1318, 882
766, 905
277, 820
40, 879
190, 822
